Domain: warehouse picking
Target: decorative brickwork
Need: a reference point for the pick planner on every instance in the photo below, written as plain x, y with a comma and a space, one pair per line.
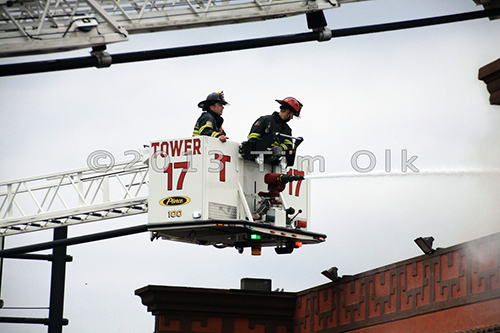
449, 278
452, 290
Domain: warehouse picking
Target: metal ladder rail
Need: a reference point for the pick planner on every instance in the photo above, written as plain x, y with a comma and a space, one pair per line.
72, 197
51, 26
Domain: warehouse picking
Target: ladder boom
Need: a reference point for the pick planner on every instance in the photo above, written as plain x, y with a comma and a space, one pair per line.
45, 26
72, 197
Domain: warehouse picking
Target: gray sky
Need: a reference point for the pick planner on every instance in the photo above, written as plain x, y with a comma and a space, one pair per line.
415, 90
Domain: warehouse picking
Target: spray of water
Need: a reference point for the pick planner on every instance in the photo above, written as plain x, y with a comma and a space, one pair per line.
469, 172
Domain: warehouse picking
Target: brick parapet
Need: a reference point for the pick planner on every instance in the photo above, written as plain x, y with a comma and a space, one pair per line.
182, 309
452, 277
453, 289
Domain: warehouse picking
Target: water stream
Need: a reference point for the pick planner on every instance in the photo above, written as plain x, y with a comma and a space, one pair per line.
469, 172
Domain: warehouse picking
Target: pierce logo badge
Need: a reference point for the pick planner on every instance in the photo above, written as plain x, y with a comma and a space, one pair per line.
174, 201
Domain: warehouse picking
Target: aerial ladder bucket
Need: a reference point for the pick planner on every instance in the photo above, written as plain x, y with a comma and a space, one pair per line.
203, 191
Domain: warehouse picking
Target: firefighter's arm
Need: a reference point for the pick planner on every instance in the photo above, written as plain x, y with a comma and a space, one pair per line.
286, 144
284, 141
207, 129
257, 130
222, 135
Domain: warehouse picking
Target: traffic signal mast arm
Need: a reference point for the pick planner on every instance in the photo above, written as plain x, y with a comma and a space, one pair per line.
38, 26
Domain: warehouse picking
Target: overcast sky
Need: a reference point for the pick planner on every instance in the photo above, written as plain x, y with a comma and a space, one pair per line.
415, 90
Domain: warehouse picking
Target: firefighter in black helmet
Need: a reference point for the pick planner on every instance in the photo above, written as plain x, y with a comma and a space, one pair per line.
210, 121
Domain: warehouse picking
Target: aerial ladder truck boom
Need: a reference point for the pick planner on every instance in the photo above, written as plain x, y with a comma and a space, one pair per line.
195, 190
46, 26
72, 197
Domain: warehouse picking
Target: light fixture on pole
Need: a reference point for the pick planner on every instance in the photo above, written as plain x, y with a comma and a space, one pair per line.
425, 244
331, 273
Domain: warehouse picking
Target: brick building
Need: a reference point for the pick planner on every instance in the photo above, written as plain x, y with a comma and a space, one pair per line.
456, 289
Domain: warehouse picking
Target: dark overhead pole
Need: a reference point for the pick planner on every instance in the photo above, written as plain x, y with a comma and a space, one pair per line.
2, 247
9, 253
58, 283
23, 320
47, 257
92, 61
95, 61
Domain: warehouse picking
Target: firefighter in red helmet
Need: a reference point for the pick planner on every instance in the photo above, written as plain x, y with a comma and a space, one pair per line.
265, 127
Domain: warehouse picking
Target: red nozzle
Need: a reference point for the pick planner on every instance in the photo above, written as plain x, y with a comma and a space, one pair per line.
277, 183
280, 179
273, 179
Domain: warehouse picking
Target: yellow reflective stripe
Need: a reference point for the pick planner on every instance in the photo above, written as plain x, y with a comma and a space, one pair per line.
197, 132
287, 144
203, 127
253, 136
